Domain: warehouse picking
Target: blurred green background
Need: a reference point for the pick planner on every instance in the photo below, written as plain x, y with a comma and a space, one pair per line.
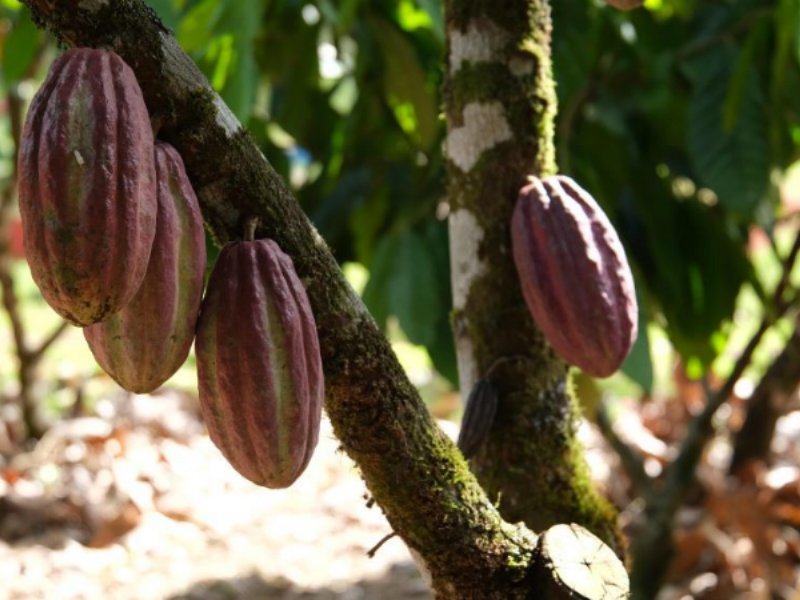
681, 119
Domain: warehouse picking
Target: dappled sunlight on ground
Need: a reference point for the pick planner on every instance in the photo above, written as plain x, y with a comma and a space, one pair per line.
144, 506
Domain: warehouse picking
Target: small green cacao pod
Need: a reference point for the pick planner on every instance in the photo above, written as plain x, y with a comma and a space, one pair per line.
258, 364
478, 417
87, 185
142, 345
574, 274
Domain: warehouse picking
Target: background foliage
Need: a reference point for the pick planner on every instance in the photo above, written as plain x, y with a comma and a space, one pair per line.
680, 118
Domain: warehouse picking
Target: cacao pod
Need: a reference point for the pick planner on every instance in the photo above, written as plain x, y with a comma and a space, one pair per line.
625, 4
258, 364
574, 274
478, 417
143, 344
87, 185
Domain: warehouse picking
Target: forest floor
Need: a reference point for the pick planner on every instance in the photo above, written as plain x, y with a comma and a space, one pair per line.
135, 503
140, 505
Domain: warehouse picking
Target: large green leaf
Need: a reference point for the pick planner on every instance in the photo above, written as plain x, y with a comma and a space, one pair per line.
19, 48
733, 161
403, 281
406, 85
167, 12
381, 271
692, 261
639, 364
221, 36
414, 289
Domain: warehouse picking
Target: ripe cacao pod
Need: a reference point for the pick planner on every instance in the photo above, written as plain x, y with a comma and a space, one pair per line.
574, 274
478, 417
258, 364
87, 185
143, 344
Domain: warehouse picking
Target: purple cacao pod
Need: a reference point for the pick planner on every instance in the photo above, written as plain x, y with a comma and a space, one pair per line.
143, 344
574, 274
258, 364
87, 185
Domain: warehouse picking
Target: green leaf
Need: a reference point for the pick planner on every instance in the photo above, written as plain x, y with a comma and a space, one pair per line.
443, 352
20, 48
381, 271
413, 289
366, 221
197, 25
405, 85
166, 11
735, 162
435, 12
14, 5
241, 20
692, 261
639, 365
221, 36
442, 349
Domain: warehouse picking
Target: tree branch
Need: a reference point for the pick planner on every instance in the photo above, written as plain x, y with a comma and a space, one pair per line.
769, 401
630, 458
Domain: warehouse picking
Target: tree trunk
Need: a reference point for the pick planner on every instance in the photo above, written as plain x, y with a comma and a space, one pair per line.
500, 103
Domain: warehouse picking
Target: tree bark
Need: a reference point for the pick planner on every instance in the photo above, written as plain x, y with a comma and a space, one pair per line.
500, 103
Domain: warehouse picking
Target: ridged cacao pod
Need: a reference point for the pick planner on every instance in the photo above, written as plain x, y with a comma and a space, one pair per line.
478, 417
87, 185
258, 364
143, 344
574, 274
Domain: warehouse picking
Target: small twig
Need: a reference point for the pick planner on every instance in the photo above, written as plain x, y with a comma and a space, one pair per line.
36, 355
781, 303
631, 459
12, 310
381, 542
